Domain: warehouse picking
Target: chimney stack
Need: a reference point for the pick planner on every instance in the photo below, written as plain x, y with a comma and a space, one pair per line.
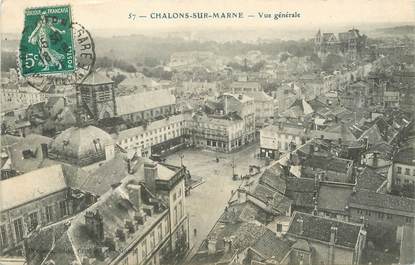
150, 175
228, 244
241, 195
134, 193
95, 225
211, 246
44, 148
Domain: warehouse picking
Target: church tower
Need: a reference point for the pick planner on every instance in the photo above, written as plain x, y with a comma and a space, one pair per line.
96, 97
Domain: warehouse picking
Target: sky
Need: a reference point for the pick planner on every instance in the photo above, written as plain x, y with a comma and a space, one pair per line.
112, 15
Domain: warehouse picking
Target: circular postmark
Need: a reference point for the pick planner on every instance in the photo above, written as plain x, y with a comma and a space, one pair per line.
84, 60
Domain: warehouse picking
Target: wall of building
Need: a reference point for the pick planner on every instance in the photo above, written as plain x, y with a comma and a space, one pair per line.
8, 233
143, 138
149, 249
379, 216
403, 174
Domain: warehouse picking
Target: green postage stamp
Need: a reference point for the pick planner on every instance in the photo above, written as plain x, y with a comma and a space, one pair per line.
46, 45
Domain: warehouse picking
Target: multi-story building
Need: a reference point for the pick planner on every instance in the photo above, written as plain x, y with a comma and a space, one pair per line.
43, 198
146, 106
243, 87
142, 220
264, 107
156, 137
327, 241
281, 138
13, 96
403, 167
221, 133
381, 209
244, 107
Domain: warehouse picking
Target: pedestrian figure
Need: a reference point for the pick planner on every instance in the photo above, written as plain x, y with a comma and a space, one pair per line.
195, 232
217, 159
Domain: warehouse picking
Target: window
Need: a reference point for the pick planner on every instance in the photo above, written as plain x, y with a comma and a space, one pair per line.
408, 220
144, 248
166, 226
381, 215
152, 240
279, 227
33, 221
160, 232
388, 216
181, 210
49, 213
407, 171
3, 236
175, 216
398, 181
63, 206
399, 170
18, 229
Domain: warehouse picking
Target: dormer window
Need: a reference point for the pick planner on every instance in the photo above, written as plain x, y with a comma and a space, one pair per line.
97, 145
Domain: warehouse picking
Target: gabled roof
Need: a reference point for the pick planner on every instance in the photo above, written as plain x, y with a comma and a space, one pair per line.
319, 228
366, 198
405, 155
270, 246
114, 207
144, 101
333, 198
31, 186
369, 179
301, 191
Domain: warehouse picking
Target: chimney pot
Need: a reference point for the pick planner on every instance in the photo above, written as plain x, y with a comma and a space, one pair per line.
211, 246
333, 234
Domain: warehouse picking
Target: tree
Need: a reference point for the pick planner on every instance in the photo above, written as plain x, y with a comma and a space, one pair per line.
332, 62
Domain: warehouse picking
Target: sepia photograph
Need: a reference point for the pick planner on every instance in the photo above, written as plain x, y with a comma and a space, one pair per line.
207, 132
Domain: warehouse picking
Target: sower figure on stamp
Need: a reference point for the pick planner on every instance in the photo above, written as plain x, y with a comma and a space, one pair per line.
40, 36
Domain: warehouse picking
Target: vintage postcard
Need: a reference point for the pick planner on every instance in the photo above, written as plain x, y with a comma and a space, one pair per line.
179, 132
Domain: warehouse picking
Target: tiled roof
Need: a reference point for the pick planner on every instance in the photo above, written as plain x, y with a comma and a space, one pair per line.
369, 179
115, 207
385, 150
270, 246
300, 191
405, 156
333, 197
273, 177
31, 186
259, 96
31, 142
319, 228
367, 198
331, 163
144, 101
